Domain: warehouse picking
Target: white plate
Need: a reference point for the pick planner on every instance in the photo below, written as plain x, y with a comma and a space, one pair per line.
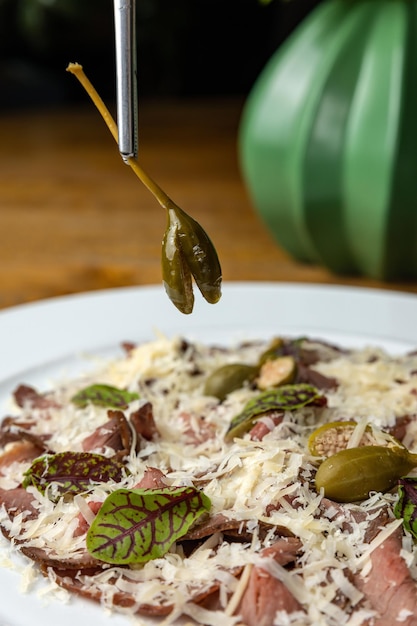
49, 339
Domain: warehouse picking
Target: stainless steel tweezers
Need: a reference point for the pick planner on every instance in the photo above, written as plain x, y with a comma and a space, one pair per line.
126, 76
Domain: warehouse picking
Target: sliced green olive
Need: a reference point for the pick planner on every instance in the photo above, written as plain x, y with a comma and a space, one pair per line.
351, 474
336, 436
228, 378
330, 438
276, 372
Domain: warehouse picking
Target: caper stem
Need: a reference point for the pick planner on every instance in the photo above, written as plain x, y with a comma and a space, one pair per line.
160, 195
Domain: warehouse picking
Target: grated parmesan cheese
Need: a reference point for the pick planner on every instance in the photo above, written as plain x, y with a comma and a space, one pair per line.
263, 485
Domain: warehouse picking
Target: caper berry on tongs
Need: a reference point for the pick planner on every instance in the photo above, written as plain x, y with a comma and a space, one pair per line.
187, 251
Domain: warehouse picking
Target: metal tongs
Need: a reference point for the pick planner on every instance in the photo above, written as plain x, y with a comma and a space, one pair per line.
126, 77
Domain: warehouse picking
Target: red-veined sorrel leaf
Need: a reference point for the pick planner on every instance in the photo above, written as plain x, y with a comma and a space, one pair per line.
406, 506
104, 396
71, 472
138, 525
284, 398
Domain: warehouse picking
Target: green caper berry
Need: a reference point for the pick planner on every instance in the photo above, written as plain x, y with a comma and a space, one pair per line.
351, 474
228, 378
188, 252
200, 255
176, 275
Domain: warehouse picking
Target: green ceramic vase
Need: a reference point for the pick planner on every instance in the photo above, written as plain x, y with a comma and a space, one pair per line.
328, 139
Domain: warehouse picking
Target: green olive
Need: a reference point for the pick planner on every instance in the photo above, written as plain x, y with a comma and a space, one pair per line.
335, 436
351, 474
228, 378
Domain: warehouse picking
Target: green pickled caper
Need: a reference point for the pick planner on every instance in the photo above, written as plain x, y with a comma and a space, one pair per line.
201, 256
187, 252
176, 274
351, 474
228, 378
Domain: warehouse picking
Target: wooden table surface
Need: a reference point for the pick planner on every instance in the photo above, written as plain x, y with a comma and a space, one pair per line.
74, 217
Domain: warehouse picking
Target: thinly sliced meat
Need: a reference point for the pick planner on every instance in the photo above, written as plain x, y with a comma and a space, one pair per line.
25, 395
143, 422
347, 516
389, 587
17, 434
211, 525
48, 558
72, 581
265, 594
17, 501
20, 452
115, 434
311, 376
311, 354
10, 422
232, 528
128, 346
83, 524
284, 550
399, 430
153, 478
197, 429
263, 427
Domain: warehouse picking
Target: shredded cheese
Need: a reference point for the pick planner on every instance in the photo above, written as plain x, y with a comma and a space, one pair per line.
259, 485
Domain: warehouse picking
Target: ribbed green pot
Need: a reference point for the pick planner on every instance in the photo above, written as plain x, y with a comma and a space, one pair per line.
328, 139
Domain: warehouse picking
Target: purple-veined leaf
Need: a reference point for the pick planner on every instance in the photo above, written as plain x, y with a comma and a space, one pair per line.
104, 396
138, 525
284, 398
71, 472
406, 507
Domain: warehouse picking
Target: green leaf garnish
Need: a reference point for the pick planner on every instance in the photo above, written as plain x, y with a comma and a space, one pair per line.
71, 472
406, 507
284, 398
138, 525
104, 396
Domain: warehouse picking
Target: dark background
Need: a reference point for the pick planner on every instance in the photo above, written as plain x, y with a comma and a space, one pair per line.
186, 48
